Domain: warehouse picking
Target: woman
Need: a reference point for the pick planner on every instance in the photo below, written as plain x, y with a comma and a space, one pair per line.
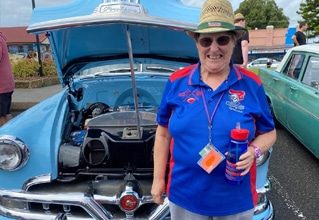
201, 104
6, 82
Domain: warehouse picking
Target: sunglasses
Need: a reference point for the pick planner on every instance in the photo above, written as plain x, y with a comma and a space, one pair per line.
207, 41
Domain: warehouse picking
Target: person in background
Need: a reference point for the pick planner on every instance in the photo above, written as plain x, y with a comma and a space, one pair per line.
240, 54
200, 106
6, 82
299, 38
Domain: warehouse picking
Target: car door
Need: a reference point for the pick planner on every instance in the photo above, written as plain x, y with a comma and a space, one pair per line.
277, 85
303, 107
282, 84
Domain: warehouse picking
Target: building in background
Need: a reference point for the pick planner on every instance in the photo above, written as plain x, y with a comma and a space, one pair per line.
21, 42
270, 42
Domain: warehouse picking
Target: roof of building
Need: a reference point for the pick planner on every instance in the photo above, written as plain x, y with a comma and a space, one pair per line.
19, 35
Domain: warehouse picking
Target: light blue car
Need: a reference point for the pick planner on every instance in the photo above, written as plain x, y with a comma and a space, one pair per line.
86, 152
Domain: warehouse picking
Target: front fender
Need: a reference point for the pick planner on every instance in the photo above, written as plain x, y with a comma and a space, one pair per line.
40, 128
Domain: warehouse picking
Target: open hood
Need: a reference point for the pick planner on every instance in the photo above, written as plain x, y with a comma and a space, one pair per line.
97, 29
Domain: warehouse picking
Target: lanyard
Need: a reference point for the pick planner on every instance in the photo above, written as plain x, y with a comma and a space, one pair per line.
210, 118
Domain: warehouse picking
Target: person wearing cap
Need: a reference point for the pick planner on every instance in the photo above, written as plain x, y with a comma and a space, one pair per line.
6, 82
240, 54
201, 104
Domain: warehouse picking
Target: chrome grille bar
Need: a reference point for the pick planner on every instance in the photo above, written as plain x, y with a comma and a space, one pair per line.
86, 202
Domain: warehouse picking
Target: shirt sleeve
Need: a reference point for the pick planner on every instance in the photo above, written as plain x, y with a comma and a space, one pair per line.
245, 36
164, 110
264, 120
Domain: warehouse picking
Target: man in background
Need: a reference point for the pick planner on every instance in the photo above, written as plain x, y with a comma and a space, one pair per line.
240, 54
299, 37
6, 82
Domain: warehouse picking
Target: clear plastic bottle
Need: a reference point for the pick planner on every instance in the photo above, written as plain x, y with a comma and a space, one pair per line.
237, 146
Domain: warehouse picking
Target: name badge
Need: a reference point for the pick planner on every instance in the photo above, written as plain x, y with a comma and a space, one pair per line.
210, 158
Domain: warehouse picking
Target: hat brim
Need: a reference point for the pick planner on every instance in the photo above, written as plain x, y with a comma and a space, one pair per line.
238, 32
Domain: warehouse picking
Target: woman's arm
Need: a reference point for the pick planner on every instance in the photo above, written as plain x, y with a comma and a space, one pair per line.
263, 142
161, 152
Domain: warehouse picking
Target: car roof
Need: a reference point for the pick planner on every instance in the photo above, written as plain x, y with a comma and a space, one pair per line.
314, 48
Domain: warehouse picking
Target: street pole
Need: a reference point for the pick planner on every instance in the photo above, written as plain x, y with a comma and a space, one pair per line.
38, 47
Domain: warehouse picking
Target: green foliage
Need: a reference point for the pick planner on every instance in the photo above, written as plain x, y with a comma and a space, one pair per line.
25, 68
261, 13
49, 68
29, 68
309, 11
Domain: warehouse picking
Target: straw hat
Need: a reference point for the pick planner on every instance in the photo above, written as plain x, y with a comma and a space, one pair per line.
216, 16
239, 16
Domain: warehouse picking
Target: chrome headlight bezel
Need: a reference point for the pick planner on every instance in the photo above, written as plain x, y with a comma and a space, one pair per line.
14, 149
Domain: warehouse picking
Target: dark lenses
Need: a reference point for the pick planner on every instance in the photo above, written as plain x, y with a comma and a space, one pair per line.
207, 41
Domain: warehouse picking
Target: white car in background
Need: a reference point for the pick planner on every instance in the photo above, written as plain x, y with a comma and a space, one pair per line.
262, 62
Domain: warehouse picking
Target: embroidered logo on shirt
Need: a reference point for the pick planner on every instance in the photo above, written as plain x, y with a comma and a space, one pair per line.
235, 98
190, 96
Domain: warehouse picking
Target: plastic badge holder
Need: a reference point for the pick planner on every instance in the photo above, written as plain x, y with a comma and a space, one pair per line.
211, 160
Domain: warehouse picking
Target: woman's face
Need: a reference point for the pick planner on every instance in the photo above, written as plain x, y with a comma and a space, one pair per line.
215, 51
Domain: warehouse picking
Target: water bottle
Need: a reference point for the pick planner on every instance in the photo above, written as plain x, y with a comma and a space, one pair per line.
237, 146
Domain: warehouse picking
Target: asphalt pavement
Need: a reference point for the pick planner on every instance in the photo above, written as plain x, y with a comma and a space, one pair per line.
25, 98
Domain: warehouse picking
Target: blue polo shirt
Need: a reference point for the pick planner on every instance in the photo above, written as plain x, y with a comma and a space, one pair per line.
241, 99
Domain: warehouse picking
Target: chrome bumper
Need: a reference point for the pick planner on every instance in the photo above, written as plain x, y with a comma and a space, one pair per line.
92, 206
88, 203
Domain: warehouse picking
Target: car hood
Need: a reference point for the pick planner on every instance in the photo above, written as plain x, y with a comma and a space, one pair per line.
96, 29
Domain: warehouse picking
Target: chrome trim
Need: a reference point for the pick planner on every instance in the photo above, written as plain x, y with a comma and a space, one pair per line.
271, 208
266, 188
46, 178
161, 211
261, 207
89, 20
90, 204
86, 202
24, 150
264, 157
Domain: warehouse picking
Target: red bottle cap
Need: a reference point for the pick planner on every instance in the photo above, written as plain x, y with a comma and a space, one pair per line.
239, 134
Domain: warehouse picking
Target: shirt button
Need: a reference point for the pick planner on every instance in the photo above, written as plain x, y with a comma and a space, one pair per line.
209, 90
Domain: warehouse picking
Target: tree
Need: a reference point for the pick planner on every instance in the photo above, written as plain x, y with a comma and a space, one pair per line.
309, 11
261, 13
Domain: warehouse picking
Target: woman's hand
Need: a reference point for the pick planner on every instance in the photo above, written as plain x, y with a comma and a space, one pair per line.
158, 190
246, 160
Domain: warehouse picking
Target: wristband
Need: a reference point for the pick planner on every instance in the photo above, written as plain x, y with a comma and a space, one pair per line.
257, 150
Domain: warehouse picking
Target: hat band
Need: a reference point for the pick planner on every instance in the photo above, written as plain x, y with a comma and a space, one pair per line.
217, 24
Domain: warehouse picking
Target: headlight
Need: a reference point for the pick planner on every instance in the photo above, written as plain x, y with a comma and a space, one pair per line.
13, 153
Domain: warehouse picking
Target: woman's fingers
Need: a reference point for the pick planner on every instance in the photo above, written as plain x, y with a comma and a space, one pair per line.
245, 163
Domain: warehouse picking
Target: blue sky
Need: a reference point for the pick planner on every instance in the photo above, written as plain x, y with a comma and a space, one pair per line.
18, 12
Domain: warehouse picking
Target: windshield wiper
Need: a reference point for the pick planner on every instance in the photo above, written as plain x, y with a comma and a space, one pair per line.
121, 70
160, 68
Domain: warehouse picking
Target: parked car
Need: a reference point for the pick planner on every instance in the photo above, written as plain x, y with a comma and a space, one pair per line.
87, 152
293, 92
263, 62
